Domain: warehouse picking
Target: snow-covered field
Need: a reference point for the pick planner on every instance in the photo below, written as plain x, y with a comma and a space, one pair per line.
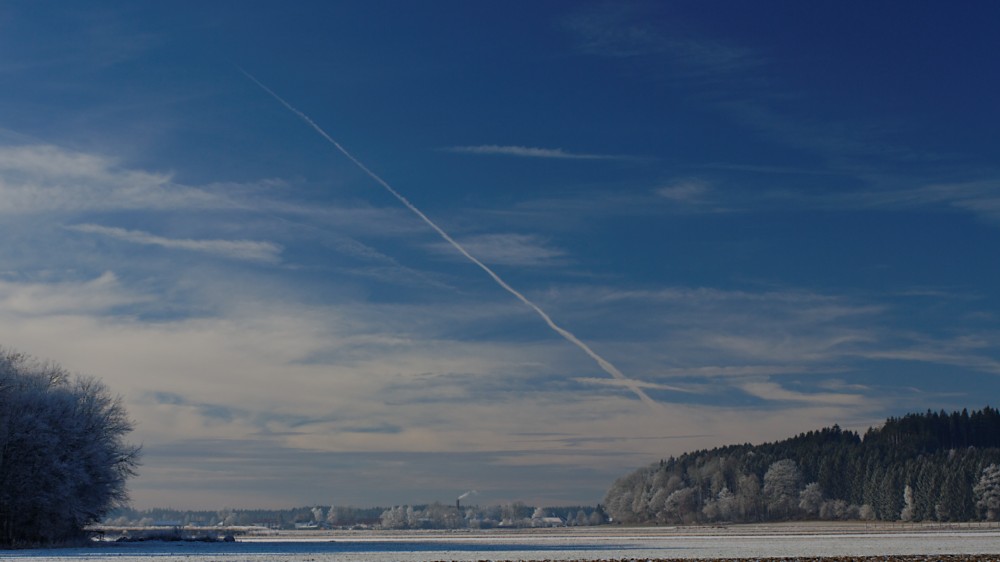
600, 543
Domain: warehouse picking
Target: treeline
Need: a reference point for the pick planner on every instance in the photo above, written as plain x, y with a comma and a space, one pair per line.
921, 467
426, 516
319, 516
512, 515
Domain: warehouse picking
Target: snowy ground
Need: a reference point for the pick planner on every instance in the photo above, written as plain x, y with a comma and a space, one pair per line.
601, 543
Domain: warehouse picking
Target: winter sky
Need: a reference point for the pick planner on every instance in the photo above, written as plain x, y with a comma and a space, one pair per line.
770, 217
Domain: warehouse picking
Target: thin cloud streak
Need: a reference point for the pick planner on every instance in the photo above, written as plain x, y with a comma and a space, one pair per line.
249, 250
771, 391
509, 249
621, 30
532, 152
603, 363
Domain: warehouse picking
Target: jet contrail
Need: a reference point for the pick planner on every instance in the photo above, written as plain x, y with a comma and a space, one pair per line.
602, 362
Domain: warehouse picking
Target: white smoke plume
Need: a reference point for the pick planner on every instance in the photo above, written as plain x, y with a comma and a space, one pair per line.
467, 494
602, 362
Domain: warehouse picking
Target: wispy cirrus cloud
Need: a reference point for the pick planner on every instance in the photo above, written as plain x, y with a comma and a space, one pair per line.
977, 353
533, 152
249, 250
46, 178
73, 187
979, 197
90, 296
507, 249
623, 30
695, 195
643, 384
774, 392
691, 191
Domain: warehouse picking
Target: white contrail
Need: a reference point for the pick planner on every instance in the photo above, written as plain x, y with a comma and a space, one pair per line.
602, 362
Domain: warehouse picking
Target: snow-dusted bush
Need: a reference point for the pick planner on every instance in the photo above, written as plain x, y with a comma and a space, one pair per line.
63, 458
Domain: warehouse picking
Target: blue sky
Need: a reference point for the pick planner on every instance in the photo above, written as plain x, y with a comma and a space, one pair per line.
770, 217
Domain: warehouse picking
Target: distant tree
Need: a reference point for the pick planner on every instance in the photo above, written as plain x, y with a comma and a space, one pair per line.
727, 504
987, 492
810, 499
866, 513
442, 516
781, 487
341, 515
908, 508
619, 503
710, 511
334, 516
956, 499
517, 514
63, 459
394, 518
838, 509
681, 505
748, 497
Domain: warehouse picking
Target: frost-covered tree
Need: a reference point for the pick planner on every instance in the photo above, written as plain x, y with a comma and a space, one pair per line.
838, 509
781, 487
907, 513
394, 518
987, 492
727, 504
810, 499
866, 513
63, 459
681, 505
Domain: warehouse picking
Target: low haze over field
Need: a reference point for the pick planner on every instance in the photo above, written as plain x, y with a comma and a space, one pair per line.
765, 217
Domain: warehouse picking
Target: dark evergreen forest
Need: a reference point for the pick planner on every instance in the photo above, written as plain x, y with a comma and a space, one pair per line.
920, 467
